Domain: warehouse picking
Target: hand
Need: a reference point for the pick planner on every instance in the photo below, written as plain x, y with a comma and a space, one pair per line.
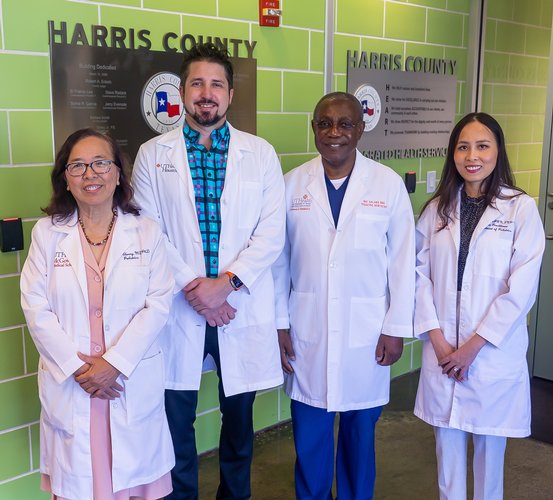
441, 346
219, 316
207, 293
388, 349
457, 363
79, 371
286, 350
100, 379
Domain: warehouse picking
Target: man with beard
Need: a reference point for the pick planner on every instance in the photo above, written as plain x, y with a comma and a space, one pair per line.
218, 195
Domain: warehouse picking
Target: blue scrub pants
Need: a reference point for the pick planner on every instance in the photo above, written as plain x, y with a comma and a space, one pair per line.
235, 442
355, 460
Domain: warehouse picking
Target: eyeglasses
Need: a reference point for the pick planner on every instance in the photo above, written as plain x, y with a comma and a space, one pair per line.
326, 124
78, 168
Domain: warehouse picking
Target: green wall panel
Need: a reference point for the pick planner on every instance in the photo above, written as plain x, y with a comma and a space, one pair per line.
208, 397
459, 5
343, 43
158, 23
25, 82
405, 22
529, 157
528, 11
269, 90
4, 139
403, 364
445, 27
287, 133
209, 27
416, 355
288, 162
537, 41
501, 9
35, 446
286, 48
546, 13
10, 312
31, 354
23, 190
14, 453
510, 37
523, 70
8, 260
25, 125
23, 407
208, 427
265, 409
506, 99
381, 46
533, 99
491, 28
26, 24
306, 14
364, 17
302, 91
284, 405
496, 67
23, 488
237, 9
205, 7
422, 50
11, 356
316, 48
460, 56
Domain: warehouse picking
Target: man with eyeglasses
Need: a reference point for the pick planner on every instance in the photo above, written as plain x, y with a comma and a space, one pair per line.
345, 286
218, 194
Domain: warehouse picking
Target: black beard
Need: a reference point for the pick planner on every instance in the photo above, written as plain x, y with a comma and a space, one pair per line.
204, 121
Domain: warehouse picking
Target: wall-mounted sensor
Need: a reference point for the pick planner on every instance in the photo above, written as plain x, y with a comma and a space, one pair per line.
11, 235
410, 181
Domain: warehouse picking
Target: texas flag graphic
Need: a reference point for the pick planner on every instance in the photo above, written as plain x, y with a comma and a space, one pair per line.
366, 109
164, 106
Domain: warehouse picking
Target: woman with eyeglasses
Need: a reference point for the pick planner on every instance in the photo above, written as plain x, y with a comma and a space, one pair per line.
96, 291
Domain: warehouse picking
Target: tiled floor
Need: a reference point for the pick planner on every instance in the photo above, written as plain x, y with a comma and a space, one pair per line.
406, 464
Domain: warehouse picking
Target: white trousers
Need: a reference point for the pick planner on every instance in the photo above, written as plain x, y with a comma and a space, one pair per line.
487, 464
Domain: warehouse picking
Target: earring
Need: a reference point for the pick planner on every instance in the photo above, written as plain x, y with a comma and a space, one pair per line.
118, 183
68, 188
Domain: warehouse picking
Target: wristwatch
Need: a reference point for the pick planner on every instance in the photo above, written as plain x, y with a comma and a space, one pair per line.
235, 281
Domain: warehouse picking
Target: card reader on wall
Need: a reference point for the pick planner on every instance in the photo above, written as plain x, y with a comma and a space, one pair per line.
410, 181
11, 235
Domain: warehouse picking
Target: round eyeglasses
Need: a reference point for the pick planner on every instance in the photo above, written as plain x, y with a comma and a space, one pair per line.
78, 168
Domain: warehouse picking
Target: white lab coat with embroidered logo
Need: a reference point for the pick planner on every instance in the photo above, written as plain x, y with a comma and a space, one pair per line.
137, 296
499, 287
339, 288
252, 236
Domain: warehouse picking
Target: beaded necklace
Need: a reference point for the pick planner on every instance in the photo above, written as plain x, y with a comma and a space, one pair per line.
110, 227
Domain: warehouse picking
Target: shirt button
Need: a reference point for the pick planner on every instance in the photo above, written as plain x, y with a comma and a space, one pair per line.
98, 313
97, 279
106, 328
97, 348
114, 405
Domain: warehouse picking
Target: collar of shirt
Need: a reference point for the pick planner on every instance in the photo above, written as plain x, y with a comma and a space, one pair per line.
218, 136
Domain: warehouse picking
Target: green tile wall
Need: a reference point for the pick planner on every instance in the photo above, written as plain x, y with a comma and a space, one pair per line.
516, 60
290, 80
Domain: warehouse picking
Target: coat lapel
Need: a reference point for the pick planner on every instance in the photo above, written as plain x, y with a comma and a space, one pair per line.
355, 190
120, 242
317, 188
71, 246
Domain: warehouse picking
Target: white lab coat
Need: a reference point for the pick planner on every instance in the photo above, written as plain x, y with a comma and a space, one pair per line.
499, 287
340, 287
137, 296
252, 237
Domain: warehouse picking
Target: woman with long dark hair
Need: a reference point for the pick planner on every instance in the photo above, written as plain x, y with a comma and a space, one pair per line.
480, 242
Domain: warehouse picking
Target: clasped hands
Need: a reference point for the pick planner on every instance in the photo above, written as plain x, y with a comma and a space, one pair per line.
98, 377
208, 297
455, 362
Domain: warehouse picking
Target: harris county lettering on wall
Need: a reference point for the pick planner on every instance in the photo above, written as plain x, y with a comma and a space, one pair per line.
408, 106
112, 81
116, 37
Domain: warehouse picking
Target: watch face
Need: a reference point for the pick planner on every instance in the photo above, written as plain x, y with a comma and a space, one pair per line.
236, 282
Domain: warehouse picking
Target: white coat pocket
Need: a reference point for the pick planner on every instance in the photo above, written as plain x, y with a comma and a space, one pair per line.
494, 257
370, 231
136, 280
250, 204
144, 389
56, 400
303, 316
365, 320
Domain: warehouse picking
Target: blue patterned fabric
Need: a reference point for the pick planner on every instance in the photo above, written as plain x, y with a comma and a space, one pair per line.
208, 168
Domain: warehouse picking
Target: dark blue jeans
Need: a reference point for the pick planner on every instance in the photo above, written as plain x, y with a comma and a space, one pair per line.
235, 441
